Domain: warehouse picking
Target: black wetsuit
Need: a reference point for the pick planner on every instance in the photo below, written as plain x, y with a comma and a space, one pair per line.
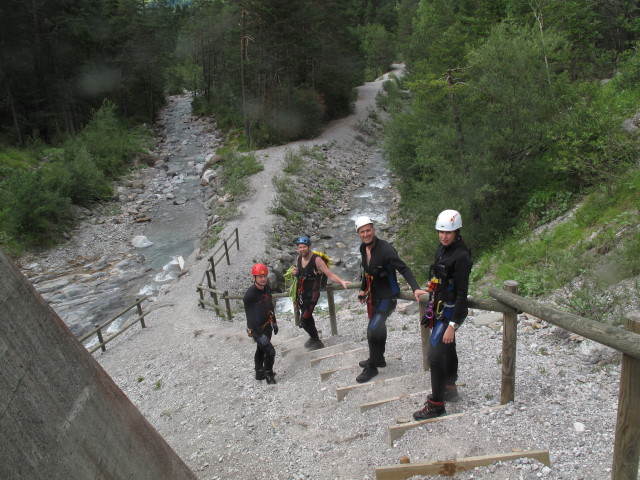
309, 280
381, 282
452, 266
259, 309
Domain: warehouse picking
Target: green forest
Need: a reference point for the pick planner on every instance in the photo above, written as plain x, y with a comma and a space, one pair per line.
508, 110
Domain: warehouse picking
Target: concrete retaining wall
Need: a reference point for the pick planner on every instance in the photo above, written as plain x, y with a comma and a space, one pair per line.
61, 415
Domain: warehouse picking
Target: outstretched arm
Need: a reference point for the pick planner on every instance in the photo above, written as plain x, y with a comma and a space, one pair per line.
322, 267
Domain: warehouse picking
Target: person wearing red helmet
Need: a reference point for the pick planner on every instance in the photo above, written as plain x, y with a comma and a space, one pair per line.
309, 269
261, 322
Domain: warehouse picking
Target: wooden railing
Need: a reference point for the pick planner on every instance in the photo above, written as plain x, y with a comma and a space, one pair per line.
626, 452
99, 328
209, 276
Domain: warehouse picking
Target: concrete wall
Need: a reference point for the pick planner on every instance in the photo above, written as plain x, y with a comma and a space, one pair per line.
61, 415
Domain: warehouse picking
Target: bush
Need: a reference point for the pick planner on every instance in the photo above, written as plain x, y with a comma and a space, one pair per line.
31, 212
109, 142
76, 176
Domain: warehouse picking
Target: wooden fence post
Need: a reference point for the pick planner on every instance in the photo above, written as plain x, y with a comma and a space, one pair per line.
509, 340
201, 293
213, 270
425, 333
626, 449
237, 239
226, 252
140, 312
227, 304
332, 311
100, 339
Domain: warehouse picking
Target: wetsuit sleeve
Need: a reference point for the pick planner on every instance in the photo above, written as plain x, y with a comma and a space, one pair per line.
462, 272
251, 310
400, 266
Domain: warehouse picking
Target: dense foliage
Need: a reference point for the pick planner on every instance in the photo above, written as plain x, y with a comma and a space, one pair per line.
507, 112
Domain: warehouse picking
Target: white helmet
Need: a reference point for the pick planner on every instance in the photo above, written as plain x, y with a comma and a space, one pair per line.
449, 221
362, 221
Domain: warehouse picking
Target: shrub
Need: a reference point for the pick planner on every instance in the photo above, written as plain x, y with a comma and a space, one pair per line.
31, 212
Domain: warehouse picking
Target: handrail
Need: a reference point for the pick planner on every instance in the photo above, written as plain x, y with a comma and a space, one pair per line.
626, 452
98, 328
617, 338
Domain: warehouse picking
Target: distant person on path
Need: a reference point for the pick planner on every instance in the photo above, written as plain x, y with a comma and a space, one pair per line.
445, 312
261, 322
309, 270
379, 290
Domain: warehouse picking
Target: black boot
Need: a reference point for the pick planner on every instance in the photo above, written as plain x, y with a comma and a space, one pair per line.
308, 343
260, 374
431, 410
381, 363
316, 344
271, 377
367, 374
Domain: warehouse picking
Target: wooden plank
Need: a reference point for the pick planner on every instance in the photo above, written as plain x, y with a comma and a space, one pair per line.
451, 467
341, 392
328, 373
368, 406
396, 431
319, 359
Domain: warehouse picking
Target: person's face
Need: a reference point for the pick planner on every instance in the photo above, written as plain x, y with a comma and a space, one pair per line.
446, 238
367, 233
303, 250
261, 280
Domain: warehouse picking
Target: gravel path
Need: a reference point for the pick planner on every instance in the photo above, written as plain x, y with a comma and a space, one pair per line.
190, 372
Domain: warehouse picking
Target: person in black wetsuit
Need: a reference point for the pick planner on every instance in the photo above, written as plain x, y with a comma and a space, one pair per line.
261, 322
309, 270
448, 309
379, 290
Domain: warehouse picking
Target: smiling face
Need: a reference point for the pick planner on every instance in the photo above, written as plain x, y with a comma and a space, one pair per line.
367, 233
261, 280
303, 250
446, 238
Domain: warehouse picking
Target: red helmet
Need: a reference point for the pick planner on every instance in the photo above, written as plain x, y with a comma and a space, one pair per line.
259, 269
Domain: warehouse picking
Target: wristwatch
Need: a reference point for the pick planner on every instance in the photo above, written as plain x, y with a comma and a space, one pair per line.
454, 325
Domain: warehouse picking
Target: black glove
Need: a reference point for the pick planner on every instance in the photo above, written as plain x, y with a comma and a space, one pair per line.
275, 328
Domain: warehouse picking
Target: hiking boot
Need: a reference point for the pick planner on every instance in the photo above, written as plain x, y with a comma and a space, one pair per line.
260, 374
450, 394
271, 377
367, 374
316, 344
431, 410
308, 343
381, 363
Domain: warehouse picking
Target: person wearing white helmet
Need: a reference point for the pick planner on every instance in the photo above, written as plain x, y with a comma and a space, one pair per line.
446, 311
379, 290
